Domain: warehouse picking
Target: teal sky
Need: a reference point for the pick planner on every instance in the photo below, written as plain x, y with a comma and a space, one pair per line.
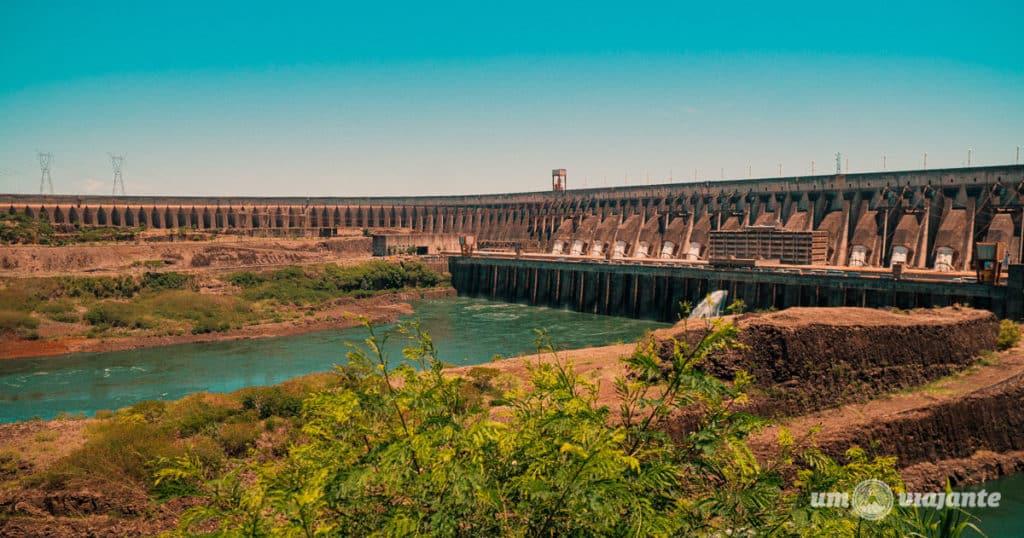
271, 98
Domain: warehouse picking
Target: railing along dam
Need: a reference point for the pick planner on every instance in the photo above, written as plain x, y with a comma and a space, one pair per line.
654, 292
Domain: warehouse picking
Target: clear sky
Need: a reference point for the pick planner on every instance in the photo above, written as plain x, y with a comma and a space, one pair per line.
391, 98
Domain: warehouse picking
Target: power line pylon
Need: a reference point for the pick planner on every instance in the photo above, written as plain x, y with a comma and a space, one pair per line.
45, 160
117, 161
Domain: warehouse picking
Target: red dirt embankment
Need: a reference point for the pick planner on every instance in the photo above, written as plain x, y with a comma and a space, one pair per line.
908, 384
805, 359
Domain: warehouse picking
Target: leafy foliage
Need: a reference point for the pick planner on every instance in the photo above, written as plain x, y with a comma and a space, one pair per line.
391, 451
304, 285
169, 280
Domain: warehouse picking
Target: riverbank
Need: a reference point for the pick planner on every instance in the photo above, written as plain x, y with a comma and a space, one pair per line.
44, 316
343, 313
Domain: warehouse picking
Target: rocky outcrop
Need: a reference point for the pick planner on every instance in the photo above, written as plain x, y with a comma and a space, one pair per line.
806, 359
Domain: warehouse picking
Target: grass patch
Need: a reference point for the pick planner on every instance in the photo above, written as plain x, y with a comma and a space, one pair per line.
62, 310
118, 451
19, 324
208, 313
118, 314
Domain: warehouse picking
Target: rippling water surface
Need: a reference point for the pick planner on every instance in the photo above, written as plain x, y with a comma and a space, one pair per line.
465, 331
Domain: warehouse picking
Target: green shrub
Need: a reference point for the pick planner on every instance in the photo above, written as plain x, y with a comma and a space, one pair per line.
305, 285
117, 314
166, 281
151, 410
245, 279
209, 325
10, 464
237, 437
1009, 334
271, 401
62, 310
419, 275
21, 228
194, 414
99, 287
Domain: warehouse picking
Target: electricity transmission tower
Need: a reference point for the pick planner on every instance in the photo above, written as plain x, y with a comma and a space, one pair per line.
117, 161
45, 160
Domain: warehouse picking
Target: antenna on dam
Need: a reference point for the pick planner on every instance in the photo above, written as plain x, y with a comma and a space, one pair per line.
45, 161
839, 163
117, 162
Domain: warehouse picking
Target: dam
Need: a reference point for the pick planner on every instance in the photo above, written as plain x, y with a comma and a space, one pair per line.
654, 291
925, 219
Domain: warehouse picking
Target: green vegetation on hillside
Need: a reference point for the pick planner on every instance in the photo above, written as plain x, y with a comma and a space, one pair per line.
19, 228
306, 285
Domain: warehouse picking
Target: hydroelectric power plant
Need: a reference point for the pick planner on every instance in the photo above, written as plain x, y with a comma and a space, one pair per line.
903, 239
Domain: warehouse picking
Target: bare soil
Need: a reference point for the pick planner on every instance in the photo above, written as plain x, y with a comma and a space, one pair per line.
221, 253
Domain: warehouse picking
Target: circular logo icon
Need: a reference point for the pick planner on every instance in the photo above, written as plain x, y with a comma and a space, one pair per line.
872, 499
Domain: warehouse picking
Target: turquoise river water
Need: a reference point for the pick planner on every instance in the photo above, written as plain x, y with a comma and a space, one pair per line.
465, 331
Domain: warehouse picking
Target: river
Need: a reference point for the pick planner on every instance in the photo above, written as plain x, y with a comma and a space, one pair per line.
464, 330
1008, 519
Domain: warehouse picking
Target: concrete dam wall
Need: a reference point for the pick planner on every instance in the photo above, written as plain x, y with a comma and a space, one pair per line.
654, 292
923, 218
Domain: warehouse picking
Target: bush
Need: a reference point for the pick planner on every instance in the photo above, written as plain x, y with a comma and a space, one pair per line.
1009, 334
194, 414
420, 276
116, 314
62, 310
237, 437
166, 281
151, 410
271, 401
244, 279
21, 228
101, 287
208, 325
